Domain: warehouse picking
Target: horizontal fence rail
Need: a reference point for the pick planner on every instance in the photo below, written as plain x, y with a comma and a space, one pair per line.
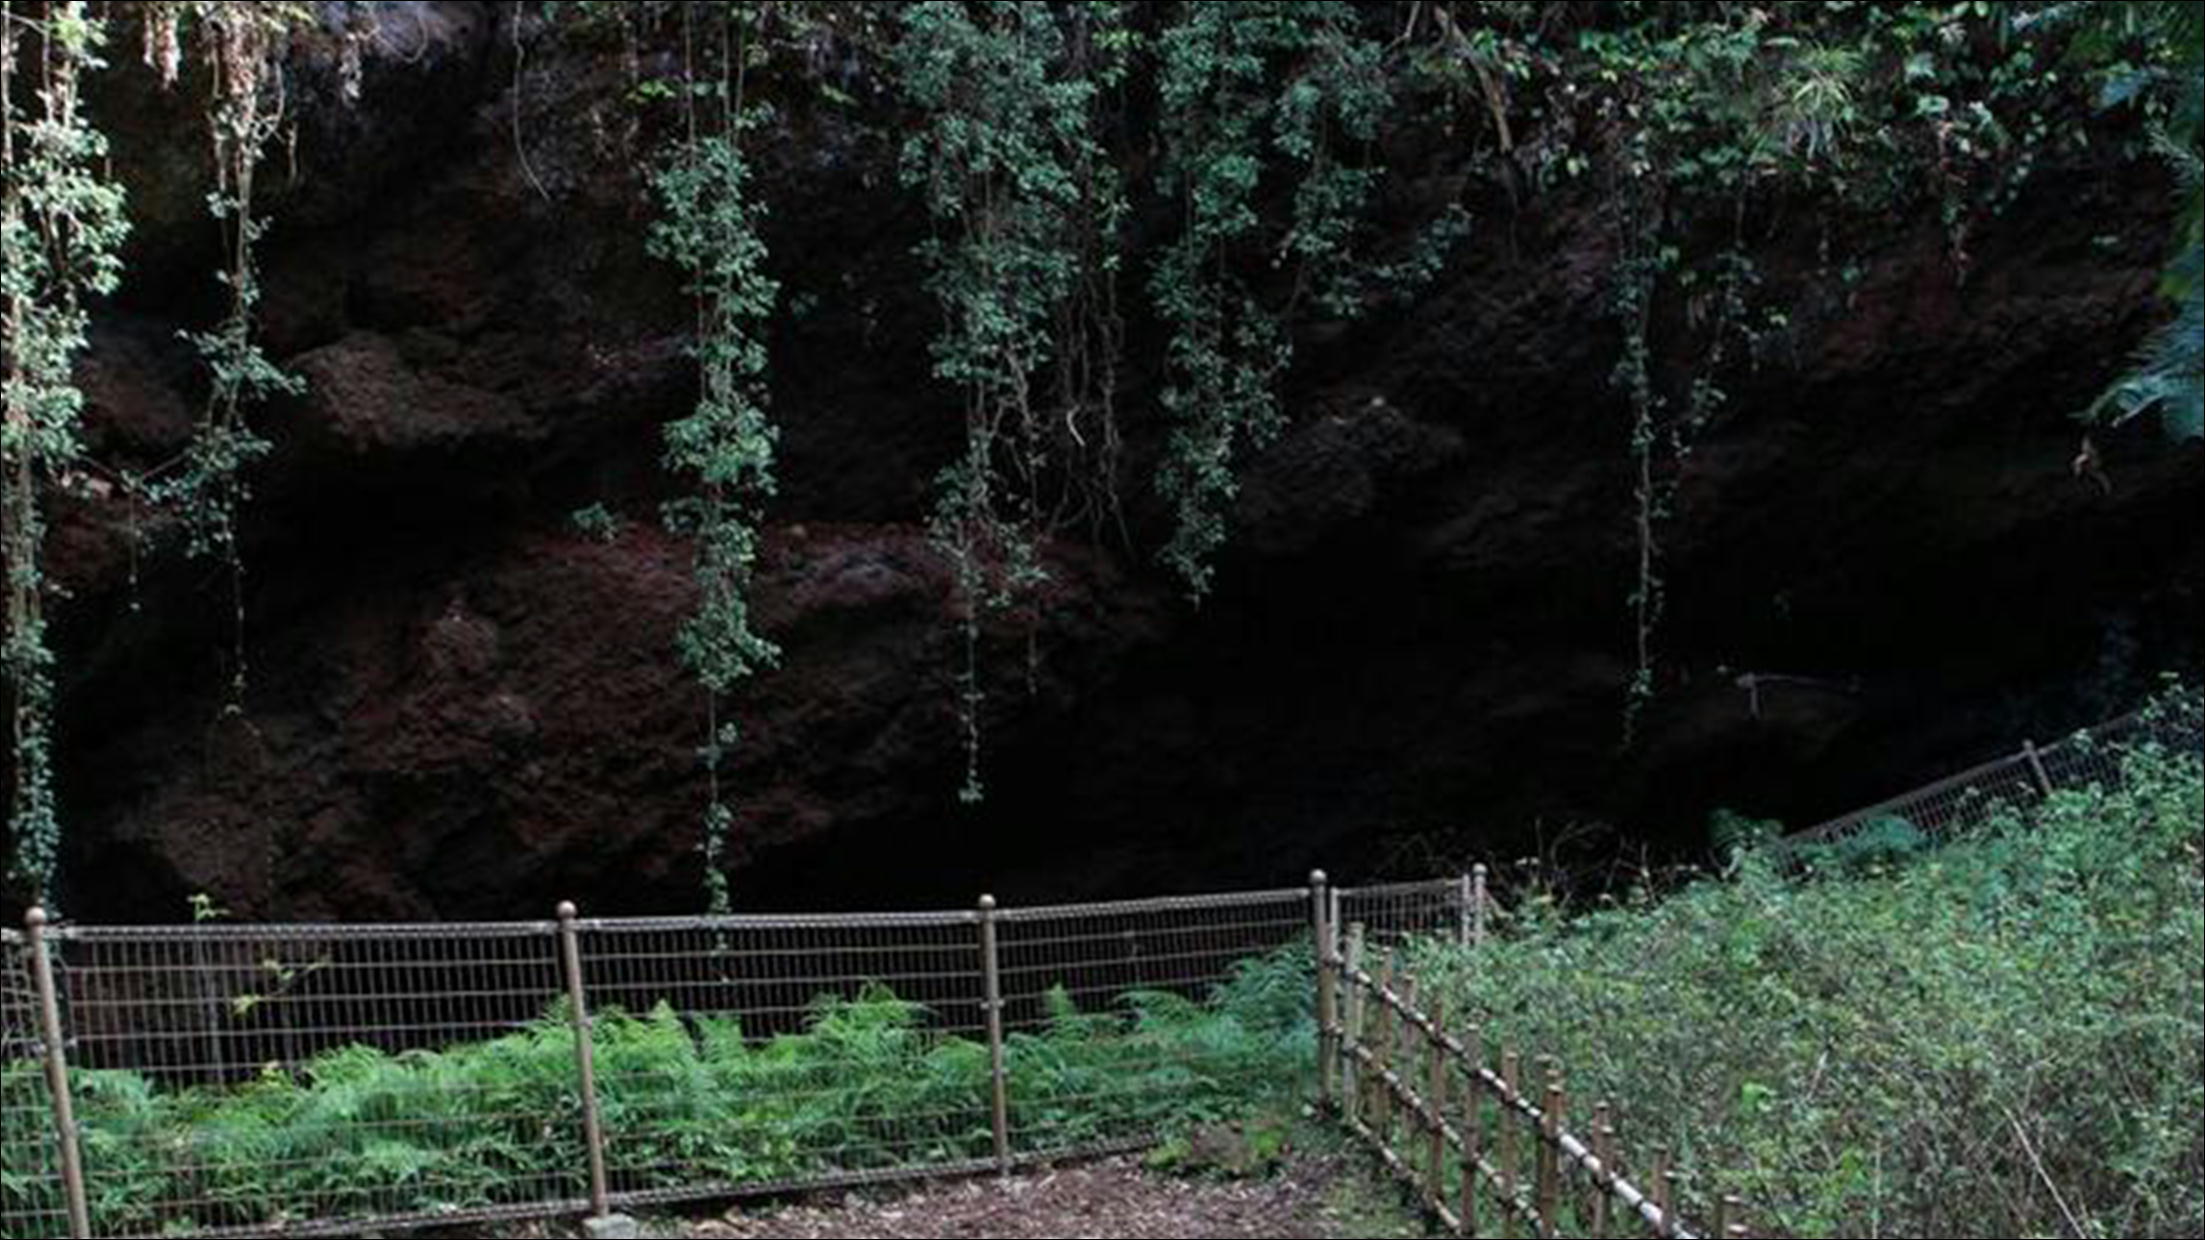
1484, 1152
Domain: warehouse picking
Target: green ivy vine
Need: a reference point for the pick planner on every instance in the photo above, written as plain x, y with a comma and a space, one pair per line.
62, 227
1023, 265
1244, 87
208, 485
724, 448
1722, 124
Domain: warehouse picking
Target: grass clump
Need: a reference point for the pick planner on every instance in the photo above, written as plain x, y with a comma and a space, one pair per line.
2003, 1036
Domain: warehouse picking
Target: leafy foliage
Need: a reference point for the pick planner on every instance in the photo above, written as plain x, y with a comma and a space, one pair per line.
1028, 206
1717, 122
62, 228
2001, 1035
1247, 89
206, 486
725, 447
2169, 374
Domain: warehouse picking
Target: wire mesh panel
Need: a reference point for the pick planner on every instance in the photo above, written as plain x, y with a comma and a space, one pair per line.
238, 1080
1970, 799
2094, 757
30, 1164
1396, 912
1118, 1016
739, 1055
2099, 757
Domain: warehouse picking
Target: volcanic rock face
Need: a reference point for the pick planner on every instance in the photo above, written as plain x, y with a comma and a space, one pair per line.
460, 703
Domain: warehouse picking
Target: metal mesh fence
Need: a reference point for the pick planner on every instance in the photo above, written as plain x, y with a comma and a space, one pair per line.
1395, 912
238, 1080
254, 1080
740, 1055
1978, 796
1117, 1017
31, 1204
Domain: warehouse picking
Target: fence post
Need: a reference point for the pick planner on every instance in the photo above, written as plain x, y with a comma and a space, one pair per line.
1512, 1180
1728, 1212
1672, 1197
991, 972
585, 1057
1550, 1154
1480, 904
1436, 1104
57, 1073
1383, 1040
1473, 1125
1327, 988
1466, 903
1604, 1151
2035, 759
1351, 1025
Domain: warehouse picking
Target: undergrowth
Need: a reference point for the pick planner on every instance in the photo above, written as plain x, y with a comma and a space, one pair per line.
2002, 1036
868, 1083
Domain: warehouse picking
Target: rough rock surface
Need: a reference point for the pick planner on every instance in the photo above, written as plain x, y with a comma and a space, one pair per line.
461, 704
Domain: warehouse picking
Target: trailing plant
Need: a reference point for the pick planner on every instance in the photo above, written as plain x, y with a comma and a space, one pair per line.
724, 448
1246, 90
1023, 265
1718, 122
62, 227
243, 47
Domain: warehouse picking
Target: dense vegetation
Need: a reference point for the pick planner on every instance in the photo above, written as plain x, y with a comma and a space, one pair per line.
2004, 1036
868, 1084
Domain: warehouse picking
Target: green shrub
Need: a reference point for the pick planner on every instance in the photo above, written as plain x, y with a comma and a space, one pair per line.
2004, 1036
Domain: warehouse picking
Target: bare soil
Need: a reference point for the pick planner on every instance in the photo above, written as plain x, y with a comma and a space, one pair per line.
1310, 1197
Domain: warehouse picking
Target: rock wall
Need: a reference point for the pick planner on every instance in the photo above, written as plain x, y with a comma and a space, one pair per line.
461, 704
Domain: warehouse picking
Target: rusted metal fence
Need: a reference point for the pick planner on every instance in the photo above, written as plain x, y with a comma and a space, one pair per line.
1486, 1152
231, 1080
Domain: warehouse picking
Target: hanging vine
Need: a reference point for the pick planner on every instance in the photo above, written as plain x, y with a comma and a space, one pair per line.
1242, 86
1717, 121
725, 447
206, 488
62, 228
1023, 265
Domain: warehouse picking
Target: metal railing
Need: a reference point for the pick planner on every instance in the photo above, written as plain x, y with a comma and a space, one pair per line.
231, 1080
1978, 795
1456, 908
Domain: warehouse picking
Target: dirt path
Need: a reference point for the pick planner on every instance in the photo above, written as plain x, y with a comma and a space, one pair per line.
1311, 1198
